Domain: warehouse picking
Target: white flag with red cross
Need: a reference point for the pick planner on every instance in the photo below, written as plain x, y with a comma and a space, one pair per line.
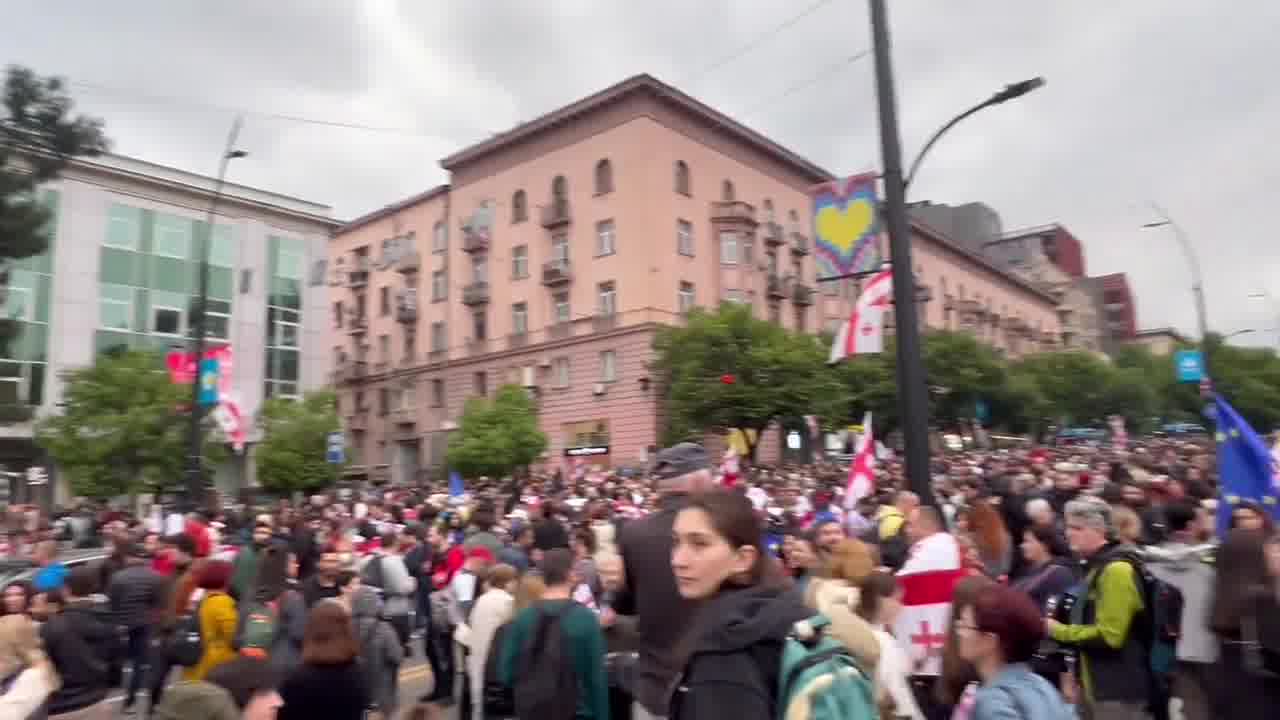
864, 332
862, 481
928, 580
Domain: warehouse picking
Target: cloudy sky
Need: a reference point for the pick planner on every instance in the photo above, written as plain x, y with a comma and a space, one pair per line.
1165, 100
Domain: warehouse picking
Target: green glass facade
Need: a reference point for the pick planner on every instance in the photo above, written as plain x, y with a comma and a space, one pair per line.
286, 270
148, 280
27, 300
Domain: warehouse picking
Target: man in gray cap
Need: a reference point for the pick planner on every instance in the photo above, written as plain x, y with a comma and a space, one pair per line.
647, 588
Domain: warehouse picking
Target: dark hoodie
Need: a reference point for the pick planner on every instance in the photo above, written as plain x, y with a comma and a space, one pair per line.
736, 652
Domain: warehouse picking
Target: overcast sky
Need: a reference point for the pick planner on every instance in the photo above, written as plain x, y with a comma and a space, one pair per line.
1165, 100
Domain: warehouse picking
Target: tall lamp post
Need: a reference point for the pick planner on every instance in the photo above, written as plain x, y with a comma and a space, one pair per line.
1197, 284
913, 394
195, 483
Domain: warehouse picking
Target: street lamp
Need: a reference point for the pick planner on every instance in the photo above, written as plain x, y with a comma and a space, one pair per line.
195, 485
1265, 295
912, 391
1237, 333
1197, 285
1010, 92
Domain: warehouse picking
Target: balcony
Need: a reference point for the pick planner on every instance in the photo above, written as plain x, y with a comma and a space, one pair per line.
358, 420
357, 324
475, 240
358, 273
971, 308
477, 347
734, 212
409, 262
402, 416
556, 272
772, 234
517, 340
604, 322
802, 295
775, 289
477, 293
407, 306
555, 214
799, 244
437, 356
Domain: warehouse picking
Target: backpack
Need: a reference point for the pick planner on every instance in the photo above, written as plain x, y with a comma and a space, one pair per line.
372, 572
258, 632
186, 645
499, 700
546, 682
1159, 625
820, 679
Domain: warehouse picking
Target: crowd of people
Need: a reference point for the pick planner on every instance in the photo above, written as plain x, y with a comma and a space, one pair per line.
1039, 583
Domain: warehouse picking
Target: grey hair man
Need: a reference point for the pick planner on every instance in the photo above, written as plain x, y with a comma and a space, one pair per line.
1104, 627
646, 587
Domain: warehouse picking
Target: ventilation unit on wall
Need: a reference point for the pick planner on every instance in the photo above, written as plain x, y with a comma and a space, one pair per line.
526, 377
544, 362
598, 389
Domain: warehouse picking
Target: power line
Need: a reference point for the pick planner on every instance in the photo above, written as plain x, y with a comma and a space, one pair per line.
807, 83
759, 40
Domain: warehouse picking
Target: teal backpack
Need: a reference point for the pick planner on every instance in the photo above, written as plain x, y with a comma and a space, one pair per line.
820, 679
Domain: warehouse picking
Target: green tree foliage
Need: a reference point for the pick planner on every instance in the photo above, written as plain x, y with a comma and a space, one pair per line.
496, 437
123, 426
774, 374
291, 456
38, 136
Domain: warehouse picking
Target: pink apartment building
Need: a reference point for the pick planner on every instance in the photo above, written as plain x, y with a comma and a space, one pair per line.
560, 247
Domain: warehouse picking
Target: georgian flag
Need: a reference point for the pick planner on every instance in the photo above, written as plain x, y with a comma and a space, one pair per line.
862, 479
928, 580
864, 332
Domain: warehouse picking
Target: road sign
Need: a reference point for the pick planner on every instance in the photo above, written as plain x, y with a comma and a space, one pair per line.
336, 448
1189, 365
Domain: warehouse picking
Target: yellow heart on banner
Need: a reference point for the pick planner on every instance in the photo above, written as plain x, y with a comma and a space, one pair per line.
843, 228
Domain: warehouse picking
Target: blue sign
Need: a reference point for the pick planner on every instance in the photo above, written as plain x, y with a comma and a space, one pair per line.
209, 382
1189, 365
982, 411
335, 448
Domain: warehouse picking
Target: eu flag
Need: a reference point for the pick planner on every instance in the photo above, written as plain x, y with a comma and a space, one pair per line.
1246, 469
456, 488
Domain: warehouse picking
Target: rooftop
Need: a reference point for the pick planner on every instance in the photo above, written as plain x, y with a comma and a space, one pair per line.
393, 208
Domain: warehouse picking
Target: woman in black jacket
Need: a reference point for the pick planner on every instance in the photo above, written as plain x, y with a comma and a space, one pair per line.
735, 650
329, 684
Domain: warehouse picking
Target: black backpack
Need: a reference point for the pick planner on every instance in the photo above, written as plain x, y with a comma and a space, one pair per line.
186, 645
499, 700
546, 682
371, 575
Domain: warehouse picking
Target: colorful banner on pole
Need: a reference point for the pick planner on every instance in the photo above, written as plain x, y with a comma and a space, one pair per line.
214, 373
846, 230
864, 331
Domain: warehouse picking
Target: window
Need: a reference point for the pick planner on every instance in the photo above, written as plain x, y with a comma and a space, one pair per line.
605, 238
802, 320
560, 248
166, 321
440, 237
410, 342
480, 382
519, 262
726, 191
319, 268
480, 325
608, 366
560, 372
337, 314
437, 393
684, 237
384, 348
172, 237
729, 248
685, 298
734, 296
17, 303
217, 320
768, 210
438, 340
519, 319
682, 178
124, 227
384, 300
561, 309
115, 307
604, 177
519, 207
559, 190
384, 400
479, 269
748, 249
439, 286
608, 304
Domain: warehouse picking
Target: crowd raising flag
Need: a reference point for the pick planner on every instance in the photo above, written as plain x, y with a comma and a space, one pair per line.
864, 331
1246, 467
862, 470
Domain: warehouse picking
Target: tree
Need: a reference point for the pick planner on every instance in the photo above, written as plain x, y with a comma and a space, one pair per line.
37, 139
295, 435
123, 427
961, 371
496, 437
727, 369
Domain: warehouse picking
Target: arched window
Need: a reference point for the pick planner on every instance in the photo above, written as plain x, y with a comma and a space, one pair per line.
794, 219
682, 178
559, 188
519, 207
768, 210
604, 177
726, 191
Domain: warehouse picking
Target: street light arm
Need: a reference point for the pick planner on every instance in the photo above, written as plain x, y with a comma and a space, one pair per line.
933, 139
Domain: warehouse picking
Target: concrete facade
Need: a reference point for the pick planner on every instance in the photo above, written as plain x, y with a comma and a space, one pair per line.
559, 248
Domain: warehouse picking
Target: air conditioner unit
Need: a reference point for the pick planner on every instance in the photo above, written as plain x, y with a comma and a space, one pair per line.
544, 362
526, 377
598, 389
448, 425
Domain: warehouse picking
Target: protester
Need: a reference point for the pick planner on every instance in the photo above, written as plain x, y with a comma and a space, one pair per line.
493, 609
81, 645
218, 619
880, 602
329, 683
381, 653
275, 597
27, 677
136, 595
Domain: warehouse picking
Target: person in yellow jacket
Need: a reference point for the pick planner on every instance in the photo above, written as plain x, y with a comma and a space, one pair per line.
218, 619
891, 518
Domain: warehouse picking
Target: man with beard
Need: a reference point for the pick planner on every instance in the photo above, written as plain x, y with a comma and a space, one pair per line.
245, 569
324, 583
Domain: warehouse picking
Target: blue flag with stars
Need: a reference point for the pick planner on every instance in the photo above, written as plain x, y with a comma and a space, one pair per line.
1246, 468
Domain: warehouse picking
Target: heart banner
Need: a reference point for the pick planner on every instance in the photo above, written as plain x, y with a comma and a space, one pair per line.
846, 229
